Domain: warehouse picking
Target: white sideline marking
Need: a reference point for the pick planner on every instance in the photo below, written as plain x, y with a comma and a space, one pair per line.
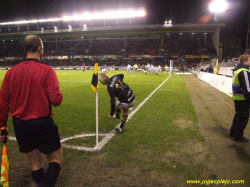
12, 138
109, 135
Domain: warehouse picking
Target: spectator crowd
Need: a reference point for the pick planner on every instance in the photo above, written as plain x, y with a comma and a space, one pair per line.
172, 44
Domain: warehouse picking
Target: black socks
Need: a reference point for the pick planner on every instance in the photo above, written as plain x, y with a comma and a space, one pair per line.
123, 121
49, 178
52, 174
38, 177
117, 113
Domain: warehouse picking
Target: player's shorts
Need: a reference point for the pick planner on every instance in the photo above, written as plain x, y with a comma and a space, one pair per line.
41, 134
127, 106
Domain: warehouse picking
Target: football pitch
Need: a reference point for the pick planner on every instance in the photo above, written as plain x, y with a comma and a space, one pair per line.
164, 143
76, 116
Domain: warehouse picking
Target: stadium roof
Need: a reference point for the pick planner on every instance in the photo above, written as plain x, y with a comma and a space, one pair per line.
117, 29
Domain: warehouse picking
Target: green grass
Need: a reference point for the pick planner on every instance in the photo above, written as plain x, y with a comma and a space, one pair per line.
158, 139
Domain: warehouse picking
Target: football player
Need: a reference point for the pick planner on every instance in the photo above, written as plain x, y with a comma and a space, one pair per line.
116, 87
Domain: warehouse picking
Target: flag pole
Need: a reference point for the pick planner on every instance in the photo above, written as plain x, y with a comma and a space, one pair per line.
94, 85
97, 125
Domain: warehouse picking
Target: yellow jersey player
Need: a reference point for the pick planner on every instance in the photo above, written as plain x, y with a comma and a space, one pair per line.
166, 69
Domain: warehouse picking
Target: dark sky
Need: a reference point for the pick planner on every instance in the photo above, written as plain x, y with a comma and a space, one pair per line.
180, 11
157, 10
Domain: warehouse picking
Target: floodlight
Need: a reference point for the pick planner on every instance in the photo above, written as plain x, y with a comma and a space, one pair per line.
218, 6
106, 15
168, 23
85, 16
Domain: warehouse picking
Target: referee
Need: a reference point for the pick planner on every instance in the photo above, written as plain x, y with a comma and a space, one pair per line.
28, 91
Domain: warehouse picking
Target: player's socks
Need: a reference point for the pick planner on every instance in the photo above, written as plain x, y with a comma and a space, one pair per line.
117, 113
52, 174
123, 121
38, 177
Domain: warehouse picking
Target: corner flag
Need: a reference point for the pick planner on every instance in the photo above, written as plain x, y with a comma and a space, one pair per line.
95, 87
94, 82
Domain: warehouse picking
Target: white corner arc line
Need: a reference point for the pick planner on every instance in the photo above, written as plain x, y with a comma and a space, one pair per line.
80, 136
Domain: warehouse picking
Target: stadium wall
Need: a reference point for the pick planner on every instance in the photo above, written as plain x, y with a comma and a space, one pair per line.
220, 82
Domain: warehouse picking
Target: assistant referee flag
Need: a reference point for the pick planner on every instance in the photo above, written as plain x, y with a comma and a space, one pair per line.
5, 162
5, 167
94, 82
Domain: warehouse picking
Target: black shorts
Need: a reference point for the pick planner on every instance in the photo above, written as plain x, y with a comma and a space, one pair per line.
41, 134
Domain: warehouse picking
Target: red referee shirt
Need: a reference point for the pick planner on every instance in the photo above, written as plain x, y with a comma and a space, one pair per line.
29, 89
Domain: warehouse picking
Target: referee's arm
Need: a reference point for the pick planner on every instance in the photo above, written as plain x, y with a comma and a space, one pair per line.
55, 96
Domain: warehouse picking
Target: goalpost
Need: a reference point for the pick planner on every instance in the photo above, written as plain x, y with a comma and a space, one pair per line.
171, 67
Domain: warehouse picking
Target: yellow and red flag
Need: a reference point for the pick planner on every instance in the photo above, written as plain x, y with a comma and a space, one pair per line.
94, 82
5, 167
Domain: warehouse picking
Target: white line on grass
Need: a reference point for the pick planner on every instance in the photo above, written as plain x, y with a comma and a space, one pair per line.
80, 147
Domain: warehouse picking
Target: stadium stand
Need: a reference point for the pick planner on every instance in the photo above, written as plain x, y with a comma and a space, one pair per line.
174, 44
119, 45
